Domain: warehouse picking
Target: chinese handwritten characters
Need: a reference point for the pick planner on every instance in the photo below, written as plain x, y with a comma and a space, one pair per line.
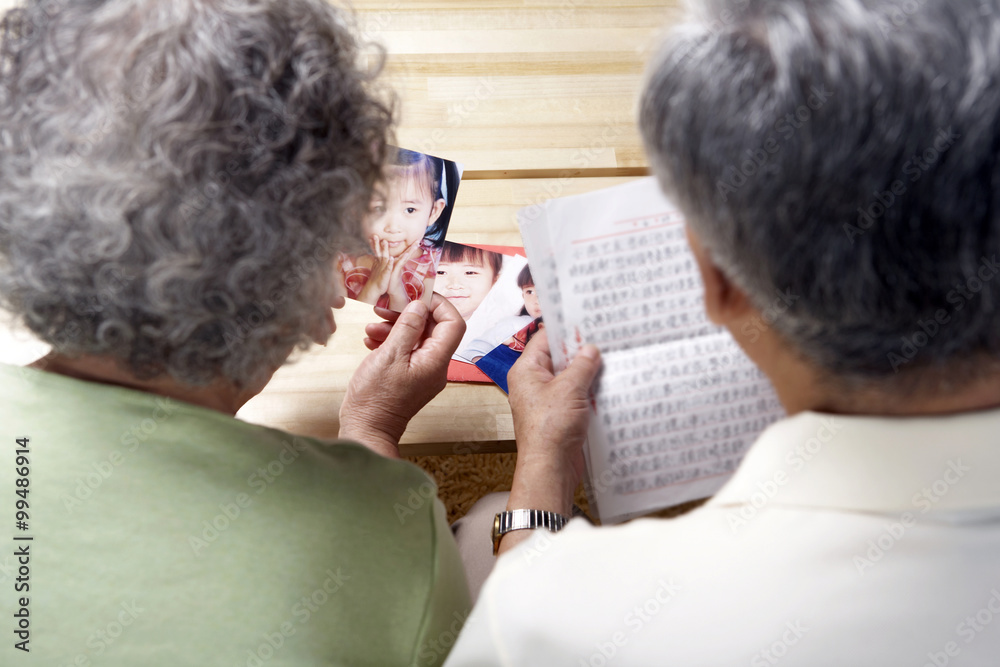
677, 403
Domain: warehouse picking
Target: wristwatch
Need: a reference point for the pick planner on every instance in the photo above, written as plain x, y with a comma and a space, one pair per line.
504, 522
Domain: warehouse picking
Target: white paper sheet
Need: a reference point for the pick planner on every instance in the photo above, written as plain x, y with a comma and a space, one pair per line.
678, 403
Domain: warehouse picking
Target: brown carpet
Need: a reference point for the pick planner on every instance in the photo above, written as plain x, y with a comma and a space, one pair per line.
463, 479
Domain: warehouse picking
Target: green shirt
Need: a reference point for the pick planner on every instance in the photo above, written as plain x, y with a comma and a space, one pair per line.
169, 534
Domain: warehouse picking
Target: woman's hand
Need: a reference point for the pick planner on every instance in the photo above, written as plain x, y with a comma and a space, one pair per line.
551, 413
408, 367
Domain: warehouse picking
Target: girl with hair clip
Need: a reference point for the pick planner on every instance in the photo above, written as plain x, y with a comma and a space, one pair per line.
405, 229
515, 331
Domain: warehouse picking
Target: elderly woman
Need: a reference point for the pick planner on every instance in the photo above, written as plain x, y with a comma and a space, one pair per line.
871, 130
176, 179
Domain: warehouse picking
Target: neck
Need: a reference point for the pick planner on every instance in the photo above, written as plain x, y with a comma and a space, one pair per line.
895, 400
802, 387
221, 395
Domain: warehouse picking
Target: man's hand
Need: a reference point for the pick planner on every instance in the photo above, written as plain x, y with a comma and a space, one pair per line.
551, 413
408, 367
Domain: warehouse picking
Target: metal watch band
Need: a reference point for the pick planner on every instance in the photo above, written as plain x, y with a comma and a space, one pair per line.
505, 522
518, 519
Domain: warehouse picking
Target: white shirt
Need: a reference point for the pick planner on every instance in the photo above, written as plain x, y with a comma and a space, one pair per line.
847, 541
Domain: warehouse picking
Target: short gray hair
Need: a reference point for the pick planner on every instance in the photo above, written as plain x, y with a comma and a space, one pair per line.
176, 177
846, 152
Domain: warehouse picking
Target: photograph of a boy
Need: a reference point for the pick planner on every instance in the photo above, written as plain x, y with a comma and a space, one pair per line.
465, 275
405, 227
505, 332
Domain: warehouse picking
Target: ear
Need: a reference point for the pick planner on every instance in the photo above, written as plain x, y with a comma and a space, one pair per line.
436, 211
724, 301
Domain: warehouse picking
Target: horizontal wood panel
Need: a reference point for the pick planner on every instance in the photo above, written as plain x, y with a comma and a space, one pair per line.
516, 86
526, 40
515, 64
487, 210
377, 17
566, 6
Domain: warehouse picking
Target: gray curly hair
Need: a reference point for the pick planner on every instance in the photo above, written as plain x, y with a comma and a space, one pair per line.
176, 178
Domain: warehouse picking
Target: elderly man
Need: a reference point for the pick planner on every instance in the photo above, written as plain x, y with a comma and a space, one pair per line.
847, 151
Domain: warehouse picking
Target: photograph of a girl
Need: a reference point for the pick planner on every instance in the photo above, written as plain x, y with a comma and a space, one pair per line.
505, 331
481, 282
465, 275
497, 350
406, 225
